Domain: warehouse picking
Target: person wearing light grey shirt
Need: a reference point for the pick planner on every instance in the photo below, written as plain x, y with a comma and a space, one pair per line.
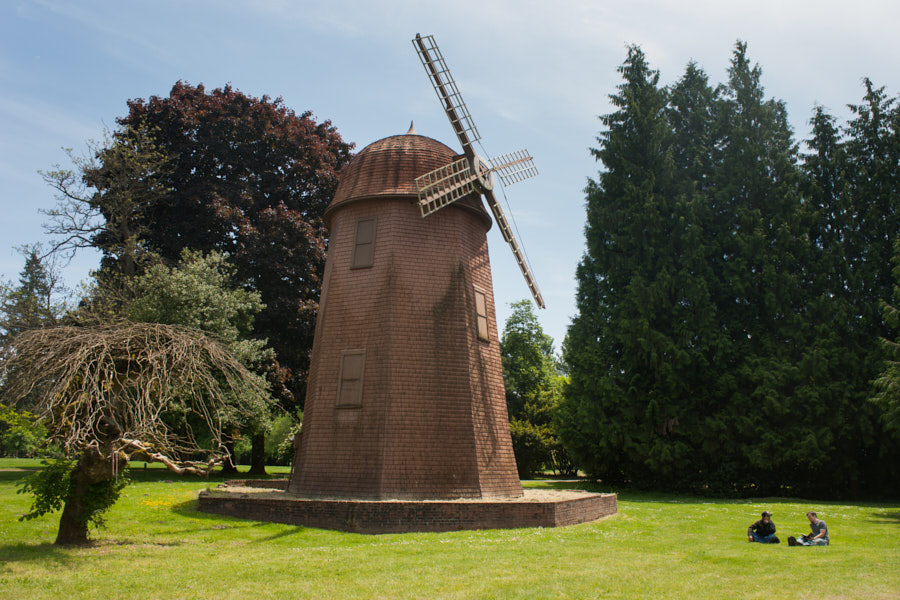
818, 535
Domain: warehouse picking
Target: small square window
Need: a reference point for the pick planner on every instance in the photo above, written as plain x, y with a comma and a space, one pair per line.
364, 244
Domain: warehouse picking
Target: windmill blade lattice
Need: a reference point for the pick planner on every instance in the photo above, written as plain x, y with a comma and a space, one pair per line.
469, 174
447, 92
447, 184
503, 224
514, 167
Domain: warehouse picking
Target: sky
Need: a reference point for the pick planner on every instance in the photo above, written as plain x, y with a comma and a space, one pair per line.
534, 74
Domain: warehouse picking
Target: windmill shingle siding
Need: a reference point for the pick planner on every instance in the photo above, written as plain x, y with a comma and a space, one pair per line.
432, 420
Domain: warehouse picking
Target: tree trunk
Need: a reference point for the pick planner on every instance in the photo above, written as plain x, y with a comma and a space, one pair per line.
228, 467
258, 455
73, 524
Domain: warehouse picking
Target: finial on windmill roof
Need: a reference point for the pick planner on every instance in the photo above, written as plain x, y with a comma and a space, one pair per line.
412, 129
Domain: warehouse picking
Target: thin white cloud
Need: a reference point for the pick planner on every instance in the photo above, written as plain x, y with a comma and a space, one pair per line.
34, 115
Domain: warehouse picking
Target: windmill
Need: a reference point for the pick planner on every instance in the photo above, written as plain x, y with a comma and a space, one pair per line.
471, 173
405, 396
405, 426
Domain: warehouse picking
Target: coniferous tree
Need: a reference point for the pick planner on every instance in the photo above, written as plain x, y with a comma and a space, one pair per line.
621, 344
760, 281
33, 303
851, 196
728, 325
698, 133
887, 395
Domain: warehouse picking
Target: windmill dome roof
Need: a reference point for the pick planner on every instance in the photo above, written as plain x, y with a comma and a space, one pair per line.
389, 167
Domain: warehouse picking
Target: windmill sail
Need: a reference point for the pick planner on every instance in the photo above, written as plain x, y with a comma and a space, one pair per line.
469, 174
514, 166
514, 244
447, 92
447, 184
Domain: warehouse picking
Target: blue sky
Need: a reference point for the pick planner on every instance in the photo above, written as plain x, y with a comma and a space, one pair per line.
535, 75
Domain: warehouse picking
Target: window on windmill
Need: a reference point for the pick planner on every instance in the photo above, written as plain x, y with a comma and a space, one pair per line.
481, 319
364, 244
350, 381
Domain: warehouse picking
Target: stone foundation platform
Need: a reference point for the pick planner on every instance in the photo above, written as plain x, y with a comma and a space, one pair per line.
266, 500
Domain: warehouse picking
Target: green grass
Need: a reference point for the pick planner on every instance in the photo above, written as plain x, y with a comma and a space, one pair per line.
658, 546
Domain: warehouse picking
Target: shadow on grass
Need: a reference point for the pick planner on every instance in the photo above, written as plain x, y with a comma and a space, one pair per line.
887, 517
190, 509
12, 475
60, 555
293, 530
157, 474
630, 494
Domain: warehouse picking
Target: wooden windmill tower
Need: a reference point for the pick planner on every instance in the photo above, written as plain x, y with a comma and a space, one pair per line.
405, 396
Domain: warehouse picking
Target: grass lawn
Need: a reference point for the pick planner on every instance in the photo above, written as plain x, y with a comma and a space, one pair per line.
658, 546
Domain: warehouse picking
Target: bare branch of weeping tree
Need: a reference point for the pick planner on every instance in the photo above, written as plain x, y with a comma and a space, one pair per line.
101, 202
152, 384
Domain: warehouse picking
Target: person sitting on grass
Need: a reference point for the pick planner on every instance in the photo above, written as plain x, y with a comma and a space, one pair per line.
763, 531
817, 537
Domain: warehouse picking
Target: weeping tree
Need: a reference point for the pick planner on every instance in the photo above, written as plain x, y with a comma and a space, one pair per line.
112, 393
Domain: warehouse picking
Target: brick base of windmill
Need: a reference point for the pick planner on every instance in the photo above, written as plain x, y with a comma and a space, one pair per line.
249, 499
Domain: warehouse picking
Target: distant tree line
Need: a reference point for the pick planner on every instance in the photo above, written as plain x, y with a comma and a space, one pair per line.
733, 299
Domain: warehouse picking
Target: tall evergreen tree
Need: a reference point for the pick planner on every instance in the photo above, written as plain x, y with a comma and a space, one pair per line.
851, 195
887, 395
627, 342
759, 288
873, 170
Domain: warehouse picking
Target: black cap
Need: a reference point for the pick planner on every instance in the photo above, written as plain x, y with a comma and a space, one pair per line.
766, 513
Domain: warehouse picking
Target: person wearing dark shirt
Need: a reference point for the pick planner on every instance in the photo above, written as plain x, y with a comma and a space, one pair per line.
763, 531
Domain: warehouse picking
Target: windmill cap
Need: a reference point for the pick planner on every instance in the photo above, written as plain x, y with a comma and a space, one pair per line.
388, 168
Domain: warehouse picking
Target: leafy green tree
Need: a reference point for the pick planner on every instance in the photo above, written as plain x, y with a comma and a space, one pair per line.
198, 292
106, 201
20, 435
533, 391
527, 356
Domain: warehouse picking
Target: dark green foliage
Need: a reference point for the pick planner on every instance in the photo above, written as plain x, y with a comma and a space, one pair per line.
31, 304
725, 337
888, 383
531, 444
50, 488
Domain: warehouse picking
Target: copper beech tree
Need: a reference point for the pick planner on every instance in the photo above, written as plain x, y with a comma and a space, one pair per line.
109, 393
215, 170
